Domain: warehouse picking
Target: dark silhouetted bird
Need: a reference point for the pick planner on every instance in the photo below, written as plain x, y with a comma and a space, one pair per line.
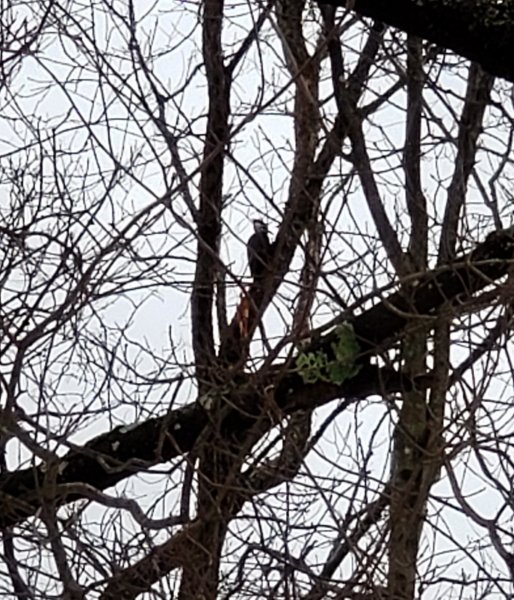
259, 251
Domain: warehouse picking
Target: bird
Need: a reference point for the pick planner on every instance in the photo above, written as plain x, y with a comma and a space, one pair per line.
259, 251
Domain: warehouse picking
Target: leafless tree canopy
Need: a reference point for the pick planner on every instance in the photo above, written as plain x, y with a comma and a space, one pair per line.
340, 426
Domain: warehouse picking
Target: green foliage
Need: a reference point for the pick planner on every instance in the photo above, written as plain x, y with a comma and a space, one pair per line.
311, 366
317, 366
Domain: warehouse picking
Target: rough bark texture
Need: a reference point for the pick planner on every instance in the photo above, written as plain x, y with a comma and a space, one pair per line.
407, 503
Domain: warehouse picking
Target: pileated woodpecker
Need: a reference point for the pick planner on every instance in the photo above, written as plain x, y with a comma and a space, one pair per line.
259, 251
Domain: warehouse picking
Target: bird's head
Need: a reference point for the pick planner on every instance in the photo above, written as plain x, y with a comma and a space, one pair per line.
260, 226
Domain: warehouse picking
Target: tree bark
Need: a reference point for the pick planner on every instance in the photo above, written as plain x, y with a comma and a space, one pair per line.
480, 30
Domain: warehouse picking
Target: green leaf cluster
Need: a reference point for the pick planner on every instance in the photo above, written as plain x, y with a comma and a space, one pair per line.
317, 366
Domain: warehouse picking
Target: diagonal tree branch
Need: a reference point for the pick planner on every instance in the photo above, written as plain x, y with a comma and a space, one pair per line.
362, 163
471, 123
114, 456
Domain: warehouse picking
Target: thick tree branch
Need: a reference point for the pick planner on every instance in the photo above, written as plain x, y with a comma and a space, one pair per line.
480, 30
112, 457
470, 125
414, 196
211, 188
